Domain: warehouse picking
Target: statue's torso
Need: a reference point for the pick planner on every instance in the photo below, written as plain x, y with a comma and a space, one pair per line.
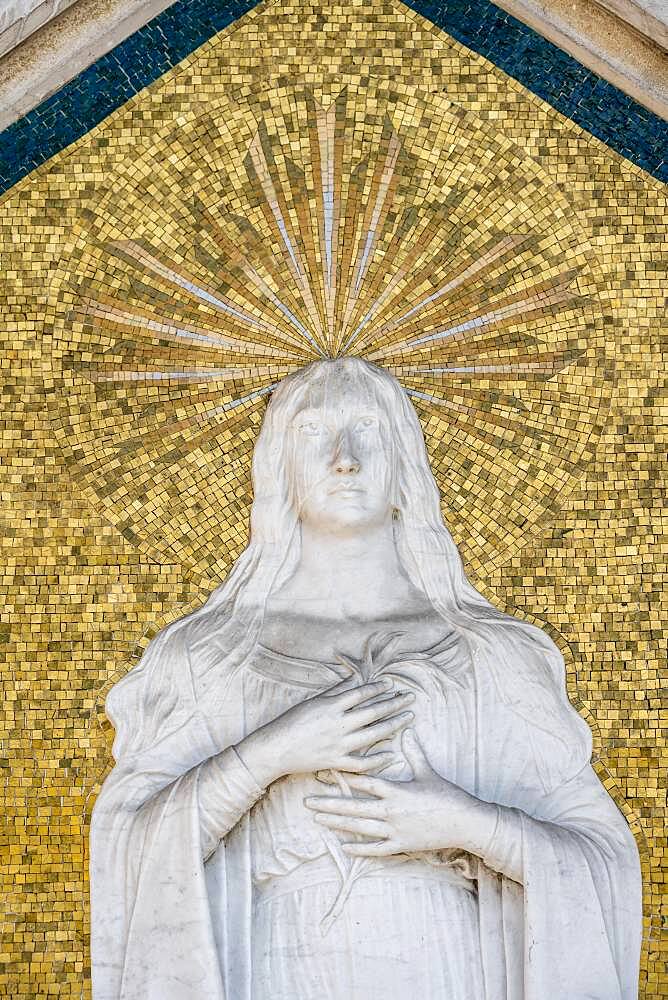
376, 930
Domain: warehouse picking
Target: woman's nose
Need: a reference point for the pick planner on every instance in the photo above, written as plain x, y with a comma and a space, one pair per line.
344, 460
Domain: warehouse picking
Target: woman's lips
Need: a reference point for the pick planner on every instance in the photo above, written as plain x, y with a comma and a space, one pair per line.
347, 491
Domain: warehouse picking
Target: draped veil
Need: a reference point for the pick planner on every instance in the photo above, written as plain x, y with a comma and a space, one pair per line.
162, 734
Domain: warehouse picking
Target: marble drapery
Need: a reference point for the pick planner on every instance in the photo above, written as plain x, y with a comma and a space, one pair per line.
172, 865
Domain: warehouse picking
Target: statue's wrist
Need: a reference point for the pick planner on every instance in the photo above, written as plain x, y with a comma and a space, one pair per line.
482, 822
261, 758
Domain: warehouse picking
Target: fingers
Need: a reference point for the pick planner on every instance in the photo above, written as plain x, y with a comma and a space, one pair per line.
377, 849
349, 824
372, 787
353, 764
359, 694
365, 716
415, 755
336, 689
342, 805
369, 763
380, 731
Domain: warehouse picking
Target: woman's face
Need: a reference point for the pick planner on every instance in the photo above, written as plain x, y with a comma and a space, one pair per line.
341, 457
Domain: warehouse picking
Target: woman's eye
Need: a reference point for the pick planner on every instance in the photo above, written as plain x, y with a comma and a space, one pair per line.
366, 423
310, 427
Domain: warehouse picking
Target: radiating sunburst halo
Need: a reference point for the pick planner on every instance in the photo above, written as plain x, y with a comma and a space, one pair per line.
252, 237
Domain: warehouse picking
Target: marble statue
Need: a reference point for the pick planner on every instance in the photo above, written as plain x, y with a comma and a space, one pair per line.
348, 776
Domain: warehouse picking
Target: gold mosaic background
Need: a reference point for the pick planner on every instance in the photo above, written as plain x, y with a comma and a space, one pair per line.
127, 487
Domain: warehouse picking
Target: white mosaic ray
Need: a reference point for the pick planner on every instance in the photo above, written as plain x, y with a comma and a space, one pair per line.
132, 249
541, 299
501, 248
294, 258
236, 259
193, 375
193, 335
484, 261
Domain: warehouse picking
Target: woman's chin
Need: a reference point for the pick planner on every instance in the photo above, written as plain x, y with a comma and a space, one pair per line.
349, 519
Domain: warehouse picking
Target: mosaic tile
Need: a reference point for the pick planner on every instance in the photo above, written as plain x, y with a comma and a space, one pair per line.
147, 280
406, 251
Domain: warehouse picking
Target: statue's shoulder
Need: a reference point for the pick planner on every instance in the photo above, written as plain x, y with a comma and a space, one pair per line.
195, 633
158, 670
523, 673
163, 691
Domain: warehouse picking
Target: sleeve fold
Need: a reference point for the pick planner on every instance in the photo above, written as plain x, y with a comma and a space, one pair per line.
227, 790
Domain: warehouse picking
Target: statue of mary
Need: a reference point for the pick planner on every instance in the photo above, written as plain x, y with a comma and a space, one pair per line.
348, 776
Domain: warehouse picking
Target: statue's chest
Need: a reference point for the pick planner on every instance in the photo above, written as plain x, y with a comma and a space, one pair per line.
444, 706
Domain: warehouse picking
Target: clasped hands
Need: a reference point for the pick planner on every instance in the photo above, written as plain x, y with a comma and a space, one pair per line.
338, 730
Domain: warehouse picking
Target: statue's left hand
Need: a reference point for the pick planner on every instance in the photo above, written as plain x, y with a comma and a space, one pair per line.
428, 813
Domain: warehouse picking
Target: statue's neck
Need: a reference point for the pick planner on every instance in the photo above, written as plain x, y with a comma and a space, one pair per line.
362, 571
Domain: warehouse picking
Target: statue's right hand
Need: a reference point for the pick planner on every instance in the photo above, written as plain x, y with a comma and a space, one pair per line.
334, 730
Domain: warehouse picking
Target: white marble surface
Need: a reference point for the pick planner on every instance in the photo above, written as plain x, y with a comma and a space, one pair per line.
623, 41
650, 17
348, 775
619, 39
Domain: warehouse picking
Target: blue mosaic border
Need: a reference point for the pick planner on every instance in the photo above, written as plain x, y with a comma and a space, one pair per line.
578, 93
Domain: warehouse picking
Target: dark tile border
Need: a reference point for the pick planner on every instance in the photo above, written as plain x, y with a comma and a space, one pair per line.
544, 69
579, 94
